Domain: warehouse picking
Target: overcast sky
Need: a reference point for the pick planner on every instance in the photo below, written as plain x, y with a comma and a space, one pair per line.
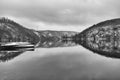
59, 14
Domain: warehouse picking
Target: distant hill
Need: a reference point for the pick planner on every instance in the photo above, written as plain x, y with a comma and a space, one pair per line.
57, 33
51, 38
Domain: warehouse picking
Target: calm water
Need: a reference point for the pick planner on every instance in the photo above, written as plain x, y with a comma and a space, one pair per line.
67, 63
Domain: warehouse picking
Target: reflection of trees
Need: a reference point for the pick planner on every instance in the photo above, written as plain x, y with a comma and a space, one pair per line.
5, 56
48, 42
103, 39
54, 41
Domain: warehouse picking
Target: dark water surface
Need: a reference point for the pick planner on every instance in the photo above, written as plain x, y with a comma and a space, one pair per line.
70, 63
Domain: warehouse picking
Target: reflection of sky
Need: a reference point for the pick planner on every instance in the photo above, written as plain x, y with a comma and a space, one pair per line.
74, 63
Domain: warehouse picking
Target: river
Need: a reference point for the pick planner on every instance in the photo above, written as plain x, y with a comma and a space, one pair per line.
65, 63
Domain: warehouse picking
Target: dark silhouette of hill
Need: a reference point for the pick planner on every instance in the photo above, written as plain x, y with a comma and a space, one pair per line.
11, 31
102, 38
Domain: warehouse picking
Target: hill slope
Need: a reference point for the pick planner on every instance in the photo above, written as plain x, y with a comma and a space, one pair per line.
11, 31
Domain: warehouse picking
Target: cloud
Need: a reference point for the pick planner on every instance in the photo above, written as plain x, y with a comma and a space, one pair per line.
62, 12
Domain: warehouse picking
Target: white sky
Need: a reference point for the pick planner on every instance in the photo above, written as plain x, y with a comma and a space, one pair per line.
70, 15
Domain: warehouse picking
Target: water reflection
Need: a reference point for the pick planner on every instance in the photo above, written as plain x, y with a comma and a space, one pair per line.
102, 38
6, 55
57, 43
49, 58
10, 50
